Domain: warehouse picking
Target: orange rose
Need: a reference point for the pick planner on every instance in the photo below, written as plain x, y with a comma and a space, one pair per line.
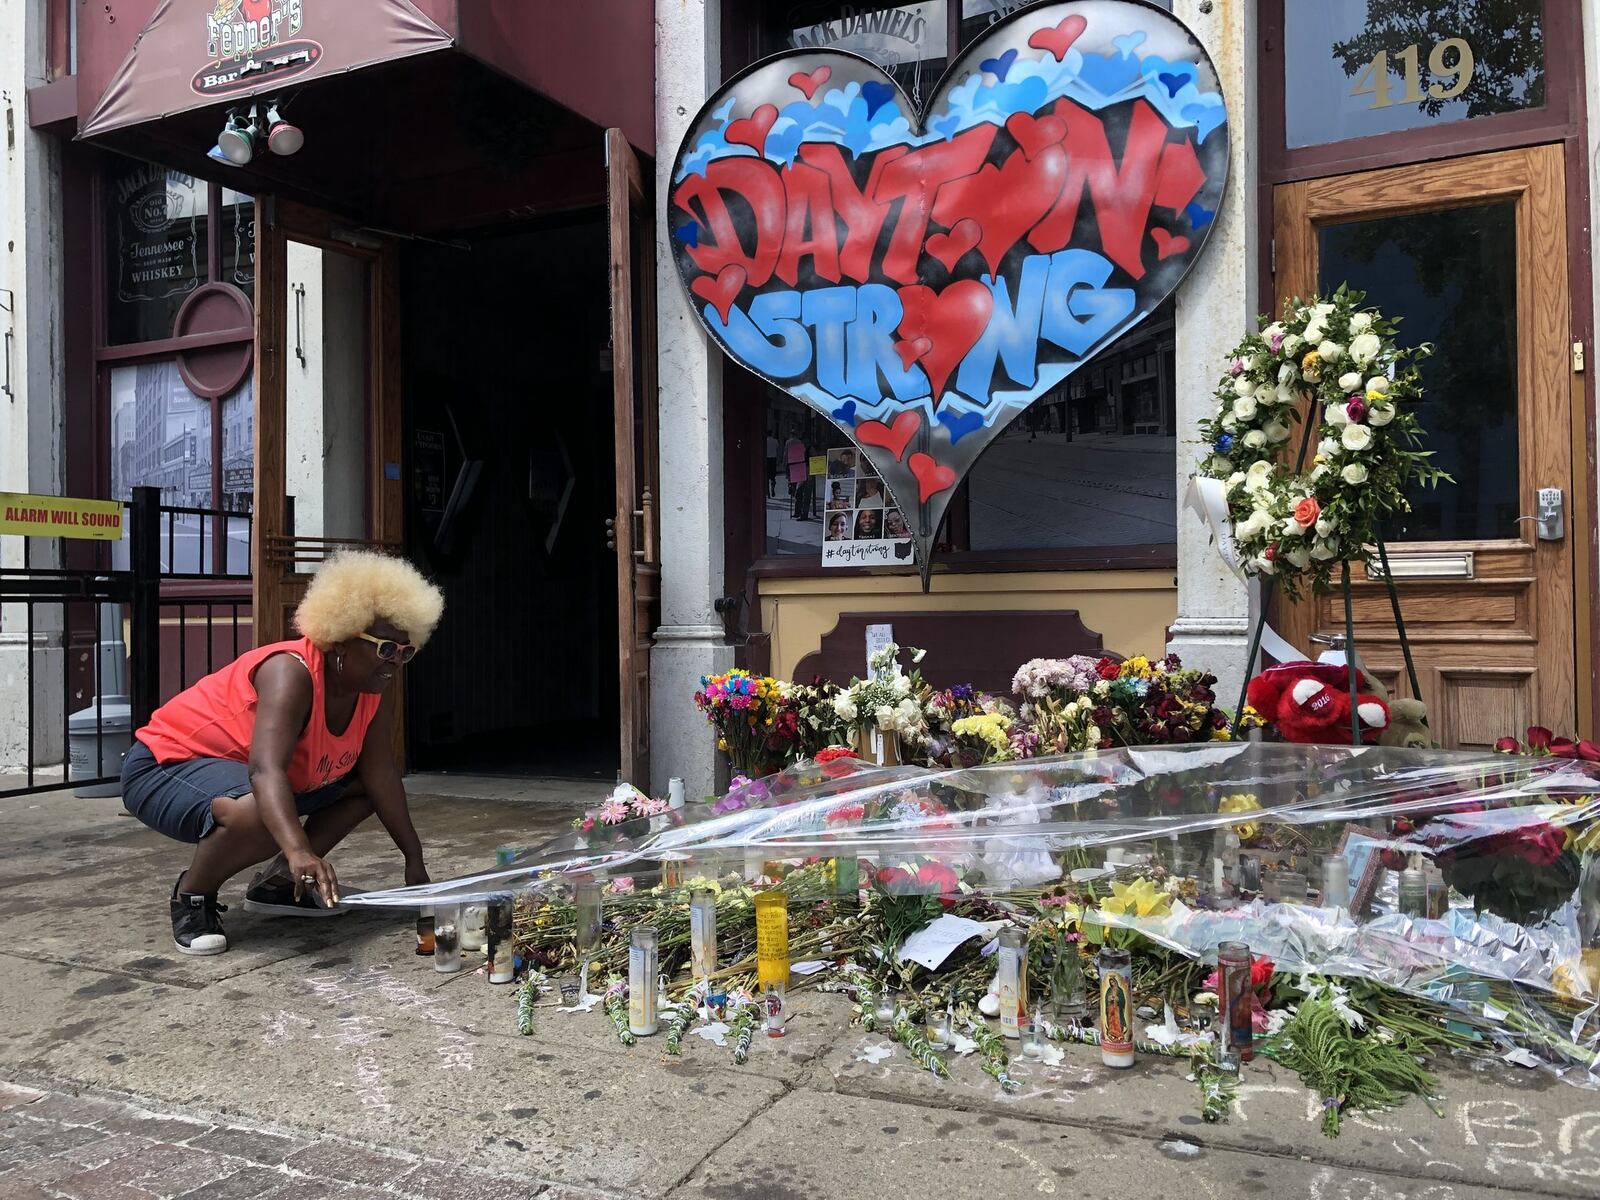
1307, 512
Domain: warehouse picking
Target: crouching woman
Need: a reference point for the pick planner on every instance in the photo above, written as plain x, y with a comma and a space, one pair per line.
293, 731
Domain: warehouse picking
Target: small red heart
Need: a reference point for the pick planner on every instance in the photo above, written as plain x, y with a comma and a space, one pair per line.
752, 130
949, 247
1034, 134
1168, 244
254, 10
810, 83
721, 291
1058, 40
894, 438
910, 351
932, 477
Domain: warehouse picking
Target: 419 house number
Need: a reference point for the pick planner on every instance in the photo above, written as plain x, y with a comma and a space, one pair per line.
1450, 65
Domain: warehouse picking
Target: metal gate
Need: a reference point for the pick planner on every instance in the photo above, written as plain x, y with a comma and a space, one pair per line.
82, 662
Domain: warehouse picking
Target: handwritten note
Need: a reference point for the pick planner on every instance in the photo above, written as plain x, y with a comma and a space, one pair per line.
931, 945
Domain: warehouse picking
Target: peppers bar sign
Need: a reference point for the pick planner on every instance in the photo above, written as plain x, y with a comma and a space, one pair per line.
247, 37
920, 278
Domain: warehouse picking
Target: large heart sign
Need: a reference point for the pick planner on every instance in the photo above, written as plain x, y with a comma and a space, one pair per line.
920, 278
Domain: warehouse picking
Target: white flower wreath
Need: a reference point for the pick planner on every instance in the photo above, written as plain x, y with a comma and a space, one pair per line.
1294, 524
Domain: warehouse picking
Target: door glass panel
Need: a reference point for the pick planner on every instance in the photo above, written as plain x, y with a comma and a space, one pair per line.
155, 248
327, 326
1452, 276
1358, 67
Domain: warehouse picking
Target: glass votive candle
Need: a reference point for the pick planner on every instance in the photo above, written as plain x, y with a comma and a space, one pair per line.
447, 938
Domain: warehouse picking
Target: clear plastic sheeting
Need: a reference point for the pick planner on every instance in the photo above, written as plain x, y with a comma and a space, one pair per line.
1472, 880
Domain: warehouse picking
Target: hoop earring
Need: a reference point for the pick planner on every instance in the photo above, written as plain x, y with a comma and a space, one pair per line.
338, 662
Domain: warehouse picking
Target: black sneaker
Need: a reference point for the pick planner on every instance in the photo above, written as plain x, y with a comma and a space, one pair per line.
275, 899
196, 928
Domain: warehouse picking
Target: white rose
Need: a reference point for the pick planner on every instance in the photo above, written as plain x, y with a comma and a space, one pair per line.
1221, 466
1292, 343
1355, 475
1324, 527
1291, 527
1378, 384
1276, 431
1335, 414
1284, 395
1323, 551
1356, 437
1229, 423
1318, 471
1351, 380
1330, 352
1242, 386
1258, 476
844, 708
1380, 414
1327, 447
1092, 733
1323, 310
1360, 321
1315, 333
1265, 565
1255, 439
1286, 373
1364, 347
1299, 557
885, 717
1252, 525
1244, 408
1234, 481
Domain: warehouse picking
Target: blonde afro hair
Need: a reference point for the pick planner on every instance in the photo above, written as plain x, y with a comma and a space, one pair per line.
354, 588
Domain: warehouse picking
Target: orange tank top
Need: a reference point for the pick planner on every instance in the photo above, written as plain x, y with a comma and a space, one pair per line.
216, 718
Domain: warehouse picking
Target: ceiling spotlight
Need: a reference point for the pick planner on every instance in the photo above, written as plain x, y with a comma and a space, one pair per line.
237, 141
282, 137
216, 153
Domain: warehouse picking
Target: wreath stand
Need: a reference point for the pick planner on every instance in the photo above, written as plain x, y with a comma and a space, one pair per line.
1349, 620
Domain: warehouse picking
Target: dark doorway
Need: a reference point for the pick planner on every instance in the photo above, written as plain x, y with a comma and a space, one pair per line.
510, 479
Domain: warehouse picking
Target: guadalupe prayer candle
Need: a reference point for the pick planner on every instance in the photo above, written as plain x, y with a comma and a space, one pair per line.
447, 939
499, 943
703, 933
642, 1020
1237, 997
772, 939
586, 897
1116, 1007
1013, 967
425, 931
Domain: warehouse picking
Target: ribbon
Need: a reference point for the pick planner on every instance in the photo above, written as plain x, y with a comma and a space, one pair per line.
1209, 500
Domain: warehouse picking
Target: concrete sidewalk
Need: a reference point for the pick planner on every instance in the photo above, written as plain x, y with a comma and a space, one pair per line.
322, 1058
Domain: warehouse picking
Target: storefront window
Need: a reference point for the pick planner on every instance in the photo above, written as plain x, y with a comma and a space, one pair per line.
978, 15
1358, 67
155, 249
1454, 274
909, 41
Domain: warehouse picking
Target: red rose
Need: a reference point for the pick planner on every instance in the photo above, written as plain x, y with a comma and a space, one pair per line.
1108, 668
845, 813
1541, 847
1507, 745
1563, 747
1260, 972
1588, 751
895, 880
1538, 737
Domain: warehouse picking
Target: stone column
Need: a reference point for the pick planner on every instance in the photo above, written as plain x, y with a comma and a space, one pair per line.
31, 248
1215, 305
691, 640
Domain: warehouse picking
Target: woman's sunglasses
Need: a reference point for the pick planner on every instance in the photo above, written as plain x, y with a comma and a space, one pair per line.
390, 650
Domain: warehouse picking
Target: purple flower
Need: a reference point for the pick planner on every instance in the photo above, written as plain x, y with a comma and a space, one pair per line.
1276, 342
1356, 410
1236, 367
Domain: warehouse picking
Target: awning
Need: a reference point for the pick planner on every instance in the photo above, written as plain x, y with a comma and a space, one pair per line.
200, 53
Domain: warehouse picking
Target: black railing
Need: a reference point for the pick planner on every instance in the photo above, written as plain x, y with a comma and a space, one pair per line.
71, 597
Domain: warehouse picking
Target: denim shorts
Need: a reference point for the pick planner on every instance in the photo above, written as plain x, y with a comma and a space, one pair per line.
175, 799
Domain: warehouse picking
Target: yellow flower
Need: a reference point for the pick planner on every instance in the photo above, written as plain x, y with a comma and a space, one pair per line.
1241, 802
1137, 667
1141, 898
1311, 366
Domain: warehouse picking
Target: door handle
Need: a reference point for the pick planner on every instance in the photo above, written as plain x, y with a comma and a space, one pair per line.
1550, 521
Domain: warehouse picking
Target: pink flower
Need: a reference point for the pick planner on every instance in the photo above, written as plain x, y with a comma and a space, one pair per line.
1276, 342
649, 806
1236, 367
1356, 410
614, 811
622, 884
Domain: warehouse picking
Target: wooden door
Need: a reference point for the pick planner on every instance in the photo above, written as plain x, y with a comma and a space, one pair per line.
632, 533
327, 402
1472, 254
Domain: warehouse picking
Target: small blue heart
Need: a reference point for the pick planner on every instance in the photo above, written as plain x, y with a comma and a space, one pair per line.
946, 127
876, 95
1199, 215
689, 234
1174, 83
1128, 43
960, 424
845, 414
1001, 66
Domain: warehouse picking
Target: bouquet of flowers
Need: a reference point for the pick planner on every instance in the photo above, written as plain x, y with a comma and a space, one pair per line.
744, 710
625, 813
1058, 678
817, 724
1140, 703
888, 700
961, 703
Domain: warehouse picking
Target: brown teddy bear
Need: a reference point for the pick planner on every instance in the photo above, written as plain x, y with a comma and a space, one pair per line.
1408, 718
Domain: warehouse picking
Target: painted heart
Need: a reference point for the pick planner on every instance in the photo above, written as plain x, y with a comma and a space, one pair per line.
1168, 244
1059, 38
941, 270
911, 350
809, 81
932, 477
950, 321
722, 289
949, 247
1034, 134
893, 438
255, 11
752, 130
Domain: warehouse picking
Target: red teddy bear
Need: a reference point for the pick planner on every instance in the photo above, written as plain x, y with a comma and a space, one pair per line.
1309, 703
